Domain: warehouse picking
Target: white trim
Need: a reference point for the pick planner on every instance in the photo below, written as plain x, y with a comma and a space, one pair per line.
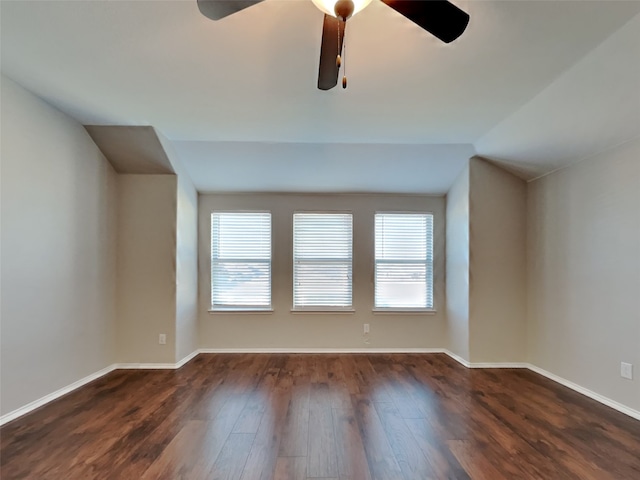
499, 365
90, 378
321, 310
234, 311
467, 364
188, 358
158, 366
458, 358
173, 366
29, 407
404, 311
146, 366
587, 393
552, 376
321, 350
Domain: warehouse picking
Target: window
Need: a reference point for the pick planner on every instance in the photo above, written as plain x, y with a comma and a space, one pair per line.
322, 248
404, 261
240, 261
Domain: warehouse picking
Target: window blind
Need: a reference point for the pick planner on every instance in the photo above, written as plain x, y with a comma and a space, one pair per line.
322, 251
404, 260
240, 260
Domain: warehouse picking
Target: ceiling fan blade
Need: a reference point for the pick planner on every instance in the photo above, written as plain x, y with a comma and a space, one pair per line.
329, 49
438, 17
217, 9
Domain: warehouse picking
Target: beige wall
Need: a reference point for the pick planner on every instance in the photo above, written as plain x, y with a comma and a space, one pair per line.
457, 265
111, 263
283, 329
497, 269
584, 272
186, 321
146, 276
186, 270
57, 251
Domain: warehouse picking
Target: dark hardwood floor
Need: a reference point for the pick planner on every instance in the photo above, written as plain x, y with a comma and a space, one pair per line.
254, 417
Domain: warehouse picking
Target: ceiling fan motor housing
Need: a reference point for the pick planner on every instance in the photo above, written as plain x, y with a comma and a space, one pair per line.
343, 9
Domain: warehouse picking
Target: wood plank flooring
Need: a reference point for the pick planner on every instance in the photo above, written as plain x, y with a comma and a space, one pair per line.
303, 417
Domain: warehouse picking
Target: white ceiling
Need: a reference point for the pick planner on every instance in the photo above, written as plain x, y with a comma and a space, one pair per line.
592, 106
317, 167
211, 86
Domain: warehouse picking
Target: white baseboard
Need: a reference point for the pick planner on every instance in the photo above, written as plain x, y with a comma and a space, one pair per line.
173, 366
146, 366
551, 376
157, 366
586, 392
7, 417
188, 358
90, 378
322, 350
468, 364
458, 358
499, 365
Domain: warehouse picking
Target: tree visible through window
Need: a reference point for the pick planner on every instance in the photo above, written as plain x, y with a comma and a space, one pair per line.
240, 260
404, 260
322, 252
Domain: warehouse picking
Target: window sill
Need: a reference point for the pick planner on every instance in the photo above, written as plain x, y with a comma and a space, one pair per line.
404, 311
319, 310
218, 311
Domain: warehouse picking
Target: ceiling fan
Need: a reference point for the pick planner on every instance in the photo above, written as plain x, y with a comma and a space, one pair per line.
439, 17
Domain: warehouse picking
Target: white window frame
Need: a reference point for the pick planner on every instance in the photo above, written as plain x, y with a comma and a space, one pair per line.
241, 308
429, 281
320, 308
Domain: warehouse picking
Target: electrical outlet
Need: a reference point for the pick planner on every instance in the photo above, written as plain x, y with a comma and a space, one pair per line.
366, 328
626, 370
162, 339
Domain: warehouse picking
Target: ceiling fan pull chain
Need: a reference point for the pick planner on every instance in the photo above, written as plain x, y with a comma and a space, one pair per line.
344, 54
338, 59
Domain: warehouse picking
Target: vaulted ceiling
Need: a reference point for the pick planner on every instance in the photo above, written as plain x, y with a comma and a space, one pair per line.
242, 91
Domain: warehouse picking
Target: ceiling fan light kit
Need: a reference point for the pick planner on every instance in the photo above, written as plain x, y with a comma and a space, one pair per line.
441, 18
336, 8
